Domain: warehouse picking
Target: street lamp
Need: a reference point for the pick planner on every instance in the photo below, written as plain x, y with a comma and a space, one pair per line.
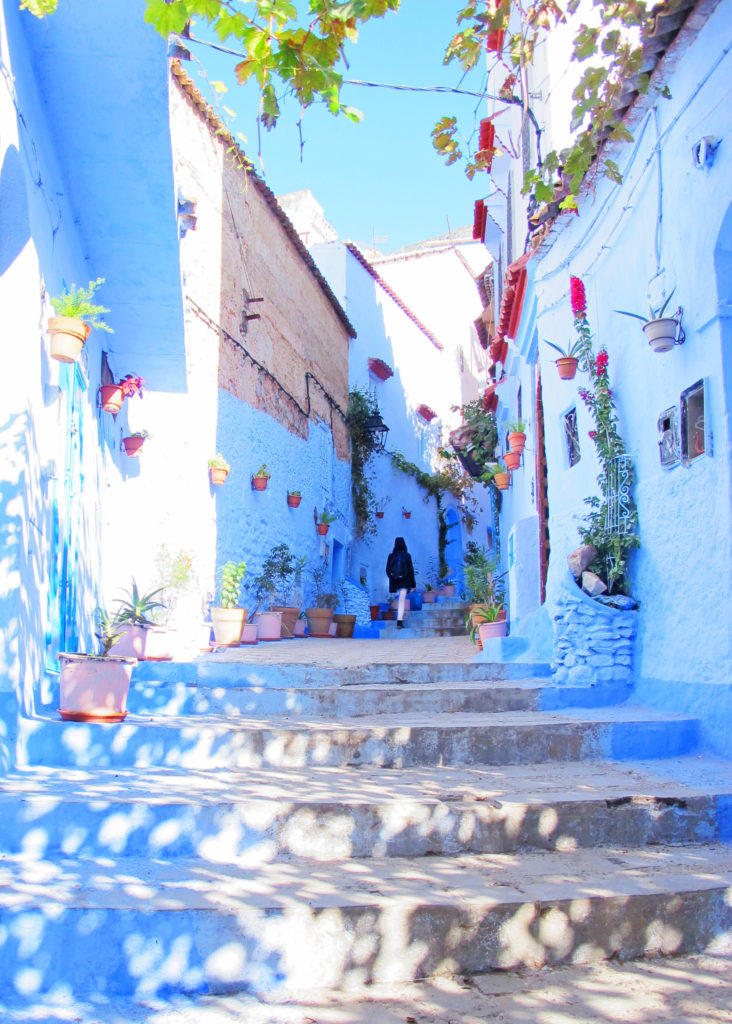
378, 430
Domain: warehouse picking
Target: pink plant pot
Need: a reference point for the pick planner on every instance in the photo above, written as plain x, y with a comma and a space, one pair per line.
269, 626
249, 633
490, 630
93, 688
132, 642
428, 597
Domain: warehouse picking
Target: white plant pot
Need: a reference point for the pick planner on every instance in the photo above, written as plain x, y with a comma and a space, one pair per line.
227, 624
661, 334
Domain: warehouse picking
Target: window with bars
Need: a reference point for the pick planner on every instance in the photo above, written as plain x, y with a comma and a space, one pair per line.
571, 437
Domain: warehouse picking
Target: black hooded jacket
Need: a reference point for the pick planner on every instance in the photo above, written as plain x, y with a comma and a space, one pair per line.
399, 567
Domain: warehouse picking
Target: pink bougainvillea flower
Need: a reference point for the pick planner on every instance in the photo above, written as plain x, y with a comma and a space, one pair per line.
577, 296
601, 361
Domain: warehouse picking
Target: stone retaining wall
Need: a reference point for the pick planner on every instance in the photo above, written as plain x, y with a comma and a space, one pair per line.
593, 643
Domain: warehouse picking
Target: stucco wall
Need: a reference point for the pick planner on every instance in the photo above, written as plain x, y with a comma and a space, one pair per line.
659, 230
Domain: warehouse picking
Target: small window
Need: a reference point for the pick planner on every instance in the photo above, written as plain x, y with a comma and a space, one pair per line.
695, 437
571, 437
668, 438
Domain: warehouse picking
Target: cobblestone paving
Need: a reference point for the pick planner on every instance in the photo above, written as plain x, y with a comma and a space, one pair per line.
342, 653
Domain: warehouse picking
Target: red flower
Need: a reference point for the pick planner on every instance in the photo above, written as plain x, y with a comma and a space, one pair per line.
601, 361
132, 386
592, 434
577, 296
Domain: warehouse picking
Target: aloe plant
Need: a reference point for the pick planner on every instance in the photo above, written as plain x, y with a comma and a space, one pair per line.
655, 314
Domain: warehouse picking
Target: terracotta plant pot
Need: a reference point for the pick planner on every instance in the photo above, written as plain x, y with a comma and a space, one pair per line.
512, 460
218, 475
661, 334
489, 630
502, 481
67, 338
345, 625
288, 619
227, 625
517, 442
375, 612
259, 483
133, 446
300, 627
112, 396
293, 500
323, 528
379, 515
249, 633
132, 642
407, 515
93, 688
428, 597
448, 590
389, 616
319, 620
567, 367
269, 626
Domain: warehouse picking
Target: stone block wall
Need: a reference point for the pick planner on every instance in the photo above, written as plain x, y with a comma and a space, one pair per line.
593, 643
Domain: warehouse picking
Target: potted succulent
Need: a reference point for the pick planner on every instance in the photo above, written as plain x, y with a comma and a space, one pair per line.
323, 522
662, 332
294, 498
261, 478
76, 315
321, 615
218, 469
512, 460
94, 687
517, 436
113, 395
345, 622
133, 617
228, 616
133, 444
406, 513
568, 359
488, 621
482, 585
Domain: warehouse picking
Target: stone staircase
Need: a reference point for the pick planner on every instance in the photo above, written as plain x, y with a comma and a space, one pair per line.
446, 617
272, 828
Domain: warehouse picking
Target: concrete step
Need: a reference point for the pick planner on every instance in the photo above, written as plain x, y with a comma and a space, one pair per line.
149, 927
334, 701
424, 632
327, 814
392, 741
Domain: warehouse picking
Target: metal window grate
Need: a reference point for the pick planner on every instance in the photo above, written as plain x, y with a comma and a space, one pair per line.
571, 437
619, 516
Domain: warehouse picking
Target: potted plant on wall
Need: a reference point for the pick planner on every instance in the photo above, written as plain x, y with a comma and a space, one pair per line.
294, 498
517, 436
406, 513
345, 622
76, 315
512, 460
261, 478
323, 522
133, 616
113, 395
321, 615
662, 332
228, 616
218, 469
94, 687
568, 359
133, 444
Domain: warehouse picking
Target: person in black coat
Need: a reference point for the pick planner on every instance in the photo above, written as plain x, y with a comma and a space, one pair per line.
400, 571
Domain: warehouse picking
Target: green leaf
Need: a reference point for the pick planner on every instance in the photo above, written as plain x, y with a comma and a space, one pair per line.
352, 113
220, 87
39, 8
611, 170
167, 18
544, 193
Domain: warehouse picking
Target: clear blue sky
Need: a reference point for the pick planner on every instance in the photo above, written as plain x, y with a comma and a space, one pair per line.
380, 177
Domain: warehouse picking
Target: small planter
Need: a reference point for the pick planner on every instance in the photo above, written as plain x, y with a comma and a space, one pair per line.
389, 616
68, 336
379, 515
133, 446
227, 625
490, 630
448, 590
428, 597
218, 475
249, 634
661, 334
517, 442
259, 483
112, 396
132, 642
93, 688
288, 617
300, 628
323, 528
567, 367
375, 612
345, 625
269, 626
512, 460
332, 629
159, 644
407, 515
502, 481
319, 620
293, 500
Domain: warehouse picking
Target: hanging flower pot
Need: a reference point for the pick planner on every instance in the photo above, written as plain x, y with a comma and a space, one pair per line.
502, 481
512, 460
323, 528
67, 337
261, 479
294, 498
218, 475
661, 334
112, 396
133, 444
406, 513
517, 442
379, 515
567, 367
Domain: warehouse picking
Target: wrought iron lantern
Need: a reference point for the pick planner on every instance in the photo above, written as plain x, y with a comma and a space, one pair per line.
378, 430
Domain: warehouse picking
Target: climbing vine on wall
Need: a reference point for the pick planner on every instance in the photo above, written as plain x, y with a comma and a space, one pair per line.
363, 446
